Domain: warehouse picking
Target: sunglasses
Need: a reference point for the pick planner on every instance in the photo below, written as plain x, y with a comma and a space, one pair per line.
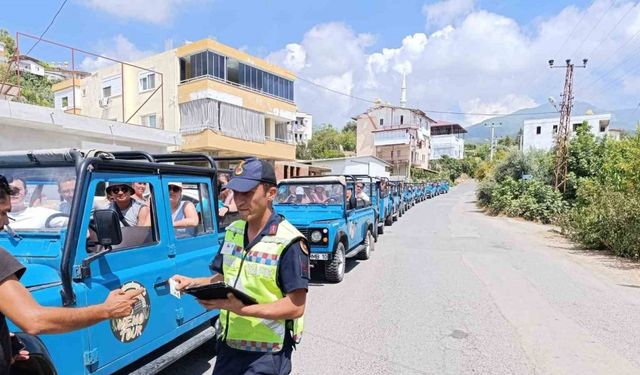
117, 190
175, 189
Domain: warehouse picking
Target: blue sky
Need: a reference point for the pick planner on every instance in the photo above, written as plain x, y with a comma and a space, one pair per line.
260, 26
472, 56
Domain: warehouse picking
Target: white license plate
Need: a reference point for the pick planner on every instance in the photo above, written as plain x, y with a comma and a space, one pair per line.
319, 256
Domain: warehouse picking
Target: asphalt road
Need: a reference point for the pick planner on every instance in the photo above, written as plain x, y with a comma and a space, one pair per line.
449, 290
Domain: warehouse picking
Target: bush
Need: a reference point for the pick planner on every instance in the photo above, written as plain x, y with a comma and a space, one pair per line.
605, 219
532, 200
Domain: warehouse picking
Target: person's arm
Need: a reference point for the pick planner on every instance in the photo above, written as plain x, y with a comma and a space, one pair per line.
144, 217
17, 304
289, 307
190, 217
189, 282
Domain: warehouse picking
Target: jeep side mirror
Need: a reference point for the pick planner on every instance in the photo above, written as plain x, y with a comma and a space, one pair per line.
109, 233
108, 228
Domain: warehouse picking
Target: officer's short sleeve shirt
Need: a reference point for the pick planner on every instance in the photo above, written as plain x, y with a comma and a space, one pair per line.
293, 269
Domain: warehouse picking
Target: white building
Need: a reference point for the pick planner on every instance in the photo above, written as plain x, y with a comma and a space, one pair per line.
447, 139
30, 65
369, 165
540, 134
302, 128
28, 127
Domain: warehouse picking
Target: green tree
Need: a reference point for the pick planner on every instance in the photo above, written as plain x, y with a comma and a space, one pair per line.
586, 156
325, 143
348, 136
8, 41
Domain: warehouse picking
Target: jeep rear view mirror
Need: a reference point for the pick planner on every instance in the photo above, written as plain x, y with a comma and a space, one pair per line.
107, 227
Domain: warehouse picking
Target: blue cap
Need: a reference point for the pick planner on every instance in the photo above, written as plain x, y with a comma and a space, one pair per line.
249, 173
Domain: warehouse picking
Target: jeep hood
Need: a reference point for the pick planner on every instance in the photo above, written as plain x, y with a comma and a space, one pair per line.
304, 216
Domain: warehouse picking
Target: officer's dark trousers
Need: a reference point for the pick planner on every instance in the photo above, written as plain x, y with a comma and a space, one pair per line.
231, 361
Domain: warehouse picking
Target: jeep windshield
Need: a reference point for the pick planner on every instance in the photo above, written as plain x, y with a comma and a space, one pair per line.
310, 193
42, 199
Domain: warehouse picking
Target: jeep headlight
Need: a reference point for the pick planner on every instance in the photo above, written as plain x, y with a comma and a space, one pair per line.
316, 236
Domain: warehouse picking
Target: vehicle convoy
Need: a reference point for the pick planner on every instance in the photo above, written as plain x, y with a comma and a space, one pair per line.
337, 224
75, 259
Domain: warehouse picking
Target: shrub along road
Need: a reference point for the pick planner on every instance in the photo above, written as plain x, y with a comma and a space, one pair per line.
450, 290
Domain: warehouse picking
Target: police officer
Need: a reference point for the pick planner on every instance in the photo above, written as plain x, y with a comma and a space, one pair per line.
266, 257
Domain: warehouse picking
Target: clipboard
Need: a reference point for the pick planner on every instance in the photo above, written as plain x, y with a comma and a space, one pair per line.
219, 290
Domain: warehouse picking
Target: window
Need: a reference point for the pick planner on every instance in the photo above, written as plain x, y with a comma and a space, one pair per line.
191, 213
555, 129
147, 81
604, 124
149, 120
138, 220
401, 119
233, 70
575, 126
65, 102
381, 122
538, 129
111, 87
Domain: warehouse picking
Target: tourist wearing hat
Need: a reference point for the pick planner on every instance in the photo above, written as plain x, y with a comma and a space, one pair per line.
130, 211
183, 213
266, 257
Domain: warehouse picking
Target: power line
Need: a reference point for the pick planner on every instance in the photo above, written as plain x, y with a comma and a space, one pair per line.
574, 29
48, 27
609, 57
425, 110
624, 15
592, 29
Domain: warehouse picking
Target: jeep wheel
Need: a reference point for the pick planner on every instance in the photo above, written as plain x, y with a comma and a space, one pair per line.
389, 220
381, 228
369, 246
334, 269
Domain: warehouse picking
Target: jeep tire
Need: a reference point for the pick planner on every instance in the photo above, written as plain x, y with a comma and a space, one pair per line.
369, 246
388, 221
334, 269
381, 227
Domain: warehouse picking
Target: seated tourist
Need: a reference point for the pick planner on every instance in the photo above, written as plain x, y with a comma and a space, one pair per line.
24, 217
130, 211
183, 213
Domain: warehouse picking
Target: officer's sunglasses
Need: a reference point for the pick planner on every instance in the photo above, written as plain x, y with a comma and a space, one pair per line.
175, 189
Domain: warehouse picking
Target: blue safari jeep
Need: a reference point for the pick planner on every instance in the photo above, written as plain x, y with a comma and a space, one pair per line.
82, 247
380, 200
337, 224
397, 199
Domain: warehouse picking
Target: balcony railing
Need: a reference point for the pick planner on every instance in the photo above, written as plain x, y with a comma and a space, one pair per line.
242, 87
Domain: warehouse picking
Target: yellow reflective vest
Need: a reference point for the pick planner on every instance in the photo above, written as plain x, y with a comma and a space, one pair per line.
255, 273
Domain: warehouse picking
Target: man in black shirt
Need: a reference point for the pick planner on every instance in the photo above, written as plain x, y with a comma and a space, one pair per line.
17, 304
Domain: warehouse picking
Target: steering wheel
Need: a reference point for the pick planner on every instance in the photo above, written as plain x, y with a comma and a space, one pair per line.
47, 223
332, 200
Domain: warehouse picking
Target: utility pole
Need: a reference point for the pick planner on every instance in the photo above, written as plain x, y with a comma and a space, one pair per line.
494, 142
561, 169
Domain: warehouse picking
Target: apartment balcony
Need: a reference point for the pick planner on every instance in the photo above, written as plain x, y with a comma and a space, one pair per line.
219, 144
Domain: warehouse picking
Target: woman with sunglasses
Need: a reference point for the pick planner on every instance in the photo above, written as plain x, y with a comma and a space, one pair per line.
131, 212
183, 213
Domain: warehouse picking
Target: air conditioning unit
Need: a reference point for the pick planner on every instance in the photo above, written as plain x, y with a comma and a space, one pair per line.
104, 102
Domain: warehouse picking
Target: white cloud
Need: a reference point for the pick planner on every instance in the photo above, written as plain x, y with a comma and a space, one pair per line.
507, 104
117, 48
482, 62
445, 12
156, 11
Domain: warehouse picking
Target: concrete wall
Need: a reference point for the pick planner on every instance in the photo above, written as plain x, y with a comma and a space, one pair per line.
26, 126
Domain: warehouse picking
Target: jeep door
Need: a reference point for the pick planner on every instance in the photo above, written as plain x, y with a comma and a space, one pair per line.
358, 220
195, 246
143, 259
